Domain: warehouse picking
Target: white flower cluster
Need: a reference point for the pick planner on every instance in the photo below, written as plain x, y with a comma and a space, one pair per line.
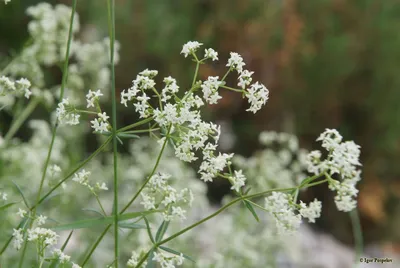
20, 86
210, 89
343, 160
44, 237
283, 209
82, 178
49, 30
64, 258
92, 97
18, 238
66, 113
159, 194
168, 261
101, 124
135, 258
7, 1
190, 48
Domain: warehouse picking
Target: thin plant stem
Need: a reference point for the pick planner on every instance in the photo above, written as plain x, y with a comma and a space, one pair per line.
21, 119
95, 245
195, 73
151, 174
358, 235
63, 83
111, 26
142, 122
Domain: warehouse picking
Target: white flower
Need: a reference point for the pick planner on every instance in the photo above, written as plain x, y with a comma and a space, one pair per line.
330, 138
82, 177
245, 79
74, 265
61, 256
311, 212
210, 89
7, 1
211, 54
100, 124
4, 196
92, 96
236, 62
54, 170
47, 236
148, 201
18, 238
238, 180
190, 47
101, 186
23, 85
41, 220
65, 113
21, 212
257, 95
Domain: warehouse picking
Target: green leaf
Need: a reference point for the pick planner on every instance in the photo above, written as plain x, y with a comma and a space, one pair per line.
101, 221
149, 230
247, 191
177, 253
150, 262
161, 230
251, 209
22, 194
4, 207
128, 135
93, 210
120, 141
131, 225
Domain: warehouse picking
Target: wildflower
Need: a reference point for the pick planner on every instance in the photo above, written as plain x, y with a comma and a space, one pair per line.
21, 212
238, 180
257, 95
190, 48
311, 212
92, 96
65, 113
245, 79
236, 62
18, 238
210, 89
210, 53
7, 1
41, 220
100, 124
43, 235
61, 256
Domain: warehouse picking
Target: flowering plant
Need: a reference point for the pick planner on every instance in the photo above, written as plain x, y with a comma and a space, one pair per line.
156, 198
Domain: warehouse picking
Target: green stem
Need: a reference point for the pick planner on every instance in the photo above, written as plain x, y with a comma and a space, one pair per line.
142, 122
95, 245
195, 73
233, 89
151, 174
111, 25
21, 119
358, 236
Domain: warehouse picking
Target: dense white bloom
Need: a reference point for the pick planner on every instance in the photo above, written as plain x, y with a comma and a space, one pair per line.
210, 89
280, 206
20, 86
43, 235
134, 260
190, 47
74, 265
18, 238
342, 159
311, 212
257, 95
170, 88
210, 53
245, 79
236, 62
167, 261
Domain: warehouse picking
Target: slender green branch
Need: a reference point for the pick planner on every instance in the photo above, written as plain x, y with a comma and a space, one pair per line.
21, 119
151, 174
233, 89
111, 25
95, 245
196, 71
142, 122
358, 235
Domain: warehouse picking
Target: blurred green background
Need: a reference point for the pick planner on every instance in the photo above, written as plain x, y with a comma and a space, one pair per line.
327, 64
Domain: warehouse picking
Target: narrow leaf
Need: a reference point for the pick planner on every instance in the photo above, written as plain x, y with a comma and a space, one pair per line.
177, 253
4, 207
128, 135
131, 225
101, 221
162, 230
149, 229
22, 194
93, 210
150, 262
251, 209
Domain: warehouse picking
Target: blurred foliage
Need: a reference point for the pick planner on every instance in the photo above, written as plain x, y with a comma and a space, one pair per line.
327, 63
